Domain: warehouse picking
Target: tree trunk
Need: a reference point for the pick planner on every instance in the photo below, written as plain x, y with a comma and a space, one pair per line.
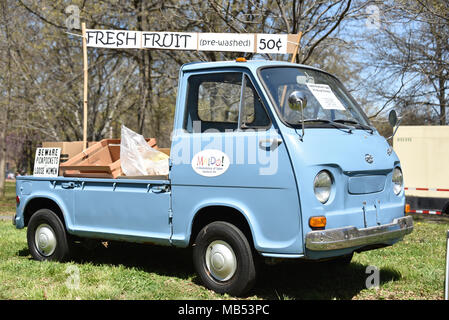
442, 100
145, 70
146, 92
5, 113
3, 152
3, 134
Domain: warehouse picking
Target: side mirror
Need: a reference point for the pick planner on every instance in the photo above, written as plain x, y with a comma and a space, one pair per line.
297, 100
394, 122
393, 118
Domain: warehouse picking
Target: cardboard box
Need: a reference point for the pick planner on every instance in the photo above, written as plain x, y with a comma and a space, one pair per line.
101, 160
164, 150
68, 149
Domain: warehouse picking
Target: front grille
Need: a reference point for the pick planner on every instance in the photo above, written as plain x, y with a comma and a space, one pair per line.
366, 184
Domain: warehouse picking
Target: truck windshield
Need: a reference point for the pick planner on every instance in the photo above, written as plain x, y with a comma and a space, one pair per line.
327, 100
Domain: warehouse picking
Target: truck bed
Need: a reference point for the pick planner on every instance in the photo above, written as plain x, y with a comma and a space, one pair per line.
128, 208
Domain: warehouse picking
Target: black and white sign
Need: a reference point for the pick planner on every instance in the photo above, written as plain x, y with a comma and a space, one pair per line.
272, 43
236, 42
117, 39
169, 40
323, 93
46, 162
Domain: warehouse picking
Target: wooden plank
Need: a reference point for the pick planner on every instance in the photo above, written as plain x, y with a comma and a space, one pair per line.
293, 43
85, 67
294, 38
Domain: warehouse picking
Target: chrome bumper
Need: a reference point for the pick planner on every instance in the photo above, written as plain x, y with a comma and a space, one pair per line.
341, 238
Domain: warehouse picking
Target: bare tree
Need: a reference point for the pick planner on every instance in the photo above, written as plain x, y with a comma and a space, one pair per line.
6, 105
410, 54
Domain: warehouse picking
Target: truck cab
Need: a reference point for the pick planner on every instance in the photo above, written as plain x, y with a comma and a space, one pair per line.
268, 159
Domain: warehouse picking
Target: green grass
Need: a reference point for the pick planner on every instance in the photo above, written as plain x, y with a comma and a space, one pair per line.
8, 202
411, 269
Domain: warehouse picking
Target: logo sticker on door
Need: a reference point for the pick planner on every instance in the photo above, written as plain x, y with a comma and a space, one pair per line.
210, 163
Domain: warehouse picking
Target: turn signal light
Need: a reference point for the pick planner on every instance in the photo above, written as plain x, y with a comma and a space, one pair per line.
240, 59
317, 222
17, 200
407, 208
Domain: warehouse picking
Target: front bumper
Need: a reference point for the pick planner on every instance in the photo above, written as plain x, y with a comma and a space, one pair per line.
348, 237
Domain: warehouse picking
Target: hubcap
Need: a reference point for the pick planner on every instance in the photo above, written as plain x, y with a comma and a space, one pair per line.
220, 260
45, 240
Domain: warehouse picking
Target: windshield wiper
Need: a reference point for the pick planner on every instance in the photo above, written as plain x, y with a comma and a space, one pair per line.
332, 123
361, 126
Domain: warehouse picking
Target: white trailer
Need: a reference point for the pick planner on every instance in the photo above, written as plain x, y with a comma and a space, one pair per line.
424, 155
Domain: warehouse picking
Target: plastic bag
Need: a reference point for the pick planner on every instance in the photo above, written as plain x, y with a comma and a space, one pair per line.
138, 158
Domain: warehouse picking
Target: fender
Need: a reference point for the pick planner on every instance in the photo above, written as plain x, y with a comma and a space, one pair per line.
50, 196
260, 241
241, 208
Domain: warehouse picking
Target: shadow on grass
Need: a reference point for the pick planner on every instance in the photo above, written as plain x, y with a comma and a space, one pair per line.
24, 252
291, 279
316, 280
167, 261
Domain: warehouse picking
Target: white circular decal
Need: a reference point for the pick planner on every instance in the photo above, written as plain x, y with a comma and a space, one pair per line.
210, 163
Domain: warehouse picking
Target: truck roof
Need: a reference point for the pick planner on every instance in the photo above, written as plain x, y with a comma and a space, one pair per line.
250, 64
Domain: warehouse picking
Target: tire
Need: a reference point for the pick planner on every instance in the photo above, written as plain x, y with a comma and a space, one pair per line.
46, 236
223, 259
445, 209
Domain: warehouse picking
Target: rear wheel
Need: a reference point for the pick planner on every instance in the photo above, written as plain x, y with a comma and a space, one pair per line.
223, 259
46, 236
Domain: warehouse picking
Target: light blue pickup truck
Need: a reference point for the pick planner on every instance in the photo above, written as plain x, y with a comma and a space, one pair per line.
268, 159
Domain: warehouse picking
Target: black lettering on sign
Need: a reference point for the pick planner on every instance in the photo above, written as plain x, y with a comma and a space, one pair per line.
165, 40
131, 40
120, 36
112, 38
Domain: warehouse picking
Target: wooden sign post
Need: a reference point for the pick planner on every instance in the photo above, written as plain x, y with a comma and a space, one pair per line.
295, 52
85, 68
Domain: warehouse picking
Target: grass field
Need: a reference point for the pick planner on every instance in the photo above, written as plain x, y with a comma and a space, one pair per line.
411, 269
8, 203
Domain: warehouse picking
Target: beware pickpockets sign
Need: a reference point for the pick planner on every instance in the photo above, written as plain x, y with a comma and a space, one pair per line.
46, 162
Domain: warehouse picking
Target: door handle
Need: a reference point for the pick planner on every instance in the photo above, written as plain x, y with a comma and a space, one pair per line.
269, 144
68, 185
158, 189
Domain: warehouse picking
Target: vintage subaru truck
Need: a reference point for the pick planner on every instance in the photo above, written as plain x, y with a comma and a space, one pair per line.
268, 159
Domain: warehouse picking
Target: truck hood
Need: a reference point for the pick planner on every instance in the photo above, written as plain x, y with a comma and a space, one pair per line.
362, 195
352, 152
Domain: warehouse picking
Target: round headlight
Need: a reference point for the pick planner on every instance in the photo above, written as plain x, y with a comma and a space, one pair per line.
322, 186
398, 181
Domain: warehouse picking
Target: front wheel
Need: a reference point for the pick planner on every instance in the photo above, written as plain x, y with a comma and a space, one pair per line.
46, 236
223, 259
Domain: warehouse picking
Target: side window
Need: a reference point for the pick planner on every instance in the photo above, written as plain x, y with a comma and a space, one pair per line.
253, 113
219, 101
214, 101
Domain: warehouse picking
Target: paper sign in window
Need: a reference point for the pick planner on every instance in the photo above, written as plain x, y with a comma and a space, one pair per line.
323, 93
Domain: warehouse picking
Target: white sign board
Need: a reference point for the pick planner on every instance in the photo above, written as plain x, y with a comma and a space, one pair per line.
236, 42
116, 39
169, 40
323, 93
46, 162
272, 43
210, 163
